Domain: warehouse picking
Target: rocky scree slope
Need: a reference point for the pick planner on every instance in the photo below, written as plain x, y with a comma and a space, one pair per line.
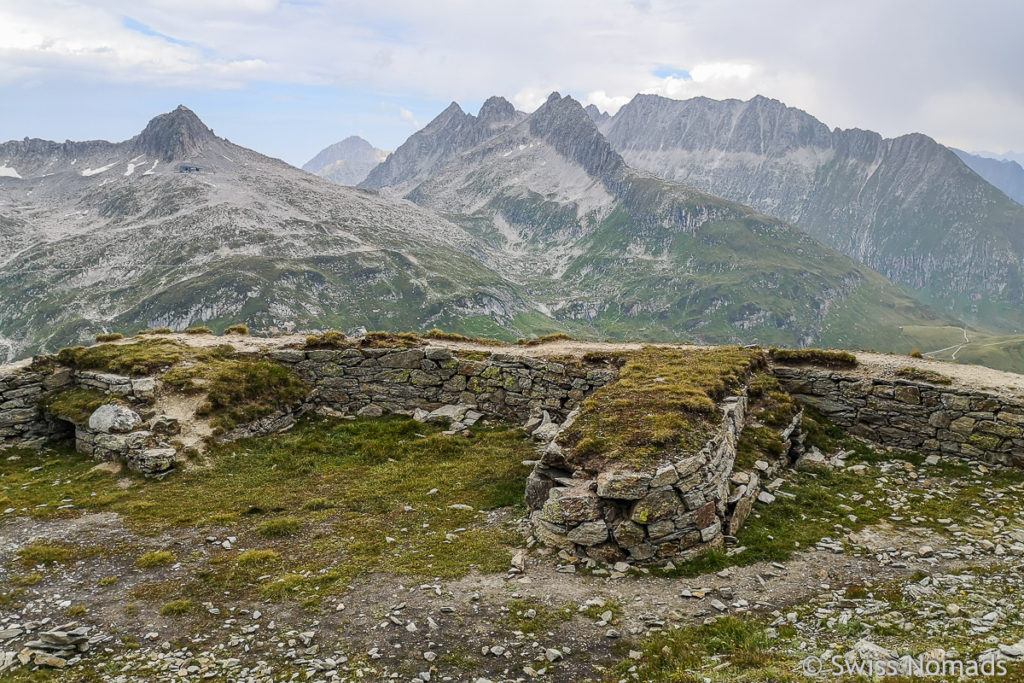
347, 162
615, 252
177, 225
907, 206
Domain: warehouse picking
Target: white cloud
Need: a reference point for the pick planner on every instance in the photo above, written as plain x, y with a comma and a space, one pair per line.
605, 102
703, 73
942, 66
409, 118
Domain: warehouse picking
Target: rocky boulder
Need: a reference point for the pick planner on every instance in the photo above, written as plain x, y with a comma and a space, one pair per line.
114, 419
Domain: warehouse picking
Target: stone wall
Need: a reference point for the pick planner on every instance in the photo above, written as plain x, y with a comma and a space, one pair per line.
672, 510
22, 387
388, 380
371, 381
914, 415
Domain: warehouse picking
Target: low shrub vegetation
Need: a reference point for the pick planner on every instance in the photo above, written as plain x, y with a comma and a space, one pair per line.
239, 329
199, 329
113, 336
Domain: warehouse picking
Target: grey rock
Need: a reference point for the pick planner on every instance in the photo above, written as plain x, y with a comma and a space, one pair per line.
113, 418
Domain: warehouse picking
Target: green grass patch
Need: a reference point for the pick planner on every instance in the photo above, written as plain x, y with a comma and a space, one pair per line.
257, 559
772, 533
533, 616
239, 389
662, 403
156, 558
177, 608
199, 329
113, 336
681, 654
75, 405
45, 554
376, 473
239, 329
822, 357
144, 357
281, 526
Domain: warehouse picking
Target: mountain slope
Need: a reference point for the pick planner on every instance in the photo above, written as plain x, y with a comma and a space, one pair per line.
1004, 174
613, 252
347, 162
177, 226
907, 207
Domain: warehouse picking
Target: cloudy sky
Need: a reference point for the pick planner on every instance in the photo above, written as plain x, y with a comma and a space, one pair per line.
288, 77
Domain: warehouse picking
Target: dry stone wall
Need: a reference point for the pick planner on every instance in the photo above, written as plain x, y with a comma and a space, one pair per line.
914, 415
672, 510
388, 380
22, 387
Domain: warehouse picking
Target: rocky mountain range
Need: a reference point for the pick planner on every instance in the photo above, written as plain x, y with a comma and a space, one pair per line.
1005, 174
518, 224
177, 226
347, 162
613, 252
906, 206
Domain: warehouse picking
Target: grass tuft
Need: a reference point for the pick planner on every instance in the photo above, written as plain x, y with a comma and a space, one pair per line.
156, 558
198, 329
239, 329
545, 339
113, 336
923, 375
822, 357
331, 339
276, 528
45, 554
177, 608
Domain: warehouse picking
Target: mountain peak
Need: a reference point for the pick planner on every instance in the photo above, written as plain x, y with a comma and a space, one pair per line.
595, 114
496, 109
177, 134
564, 124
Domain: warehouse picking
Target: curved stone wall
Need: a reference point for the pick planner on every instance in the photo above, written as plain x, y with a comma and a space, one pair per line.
672, 510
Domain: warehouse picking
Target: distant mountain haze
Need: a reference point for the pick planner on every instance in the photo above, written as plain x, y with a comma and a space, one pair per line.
347, 162
1007, 175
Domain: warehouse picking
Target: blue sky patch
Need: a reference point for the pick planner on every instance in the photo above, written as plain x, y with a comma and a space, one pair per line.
139, 27
667, 71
